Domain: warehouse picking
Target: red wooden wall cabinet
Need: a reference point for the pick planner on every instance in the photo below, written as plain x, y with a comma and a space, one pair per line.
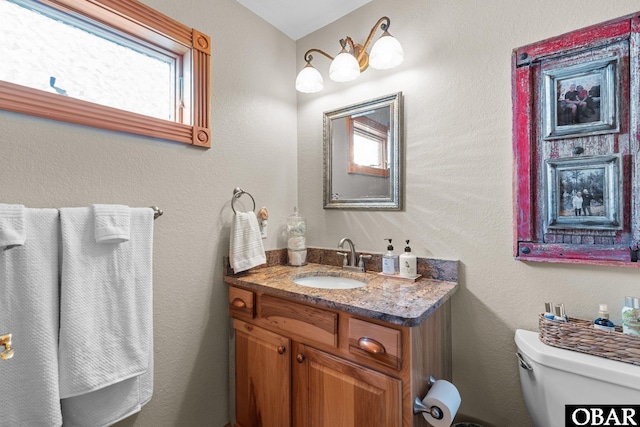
576, 138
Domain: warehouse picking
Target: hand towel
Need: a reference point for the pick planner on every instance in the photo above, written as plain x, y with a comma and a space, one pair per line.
12, 226
29, 308
106, 316
112, 223
245, 248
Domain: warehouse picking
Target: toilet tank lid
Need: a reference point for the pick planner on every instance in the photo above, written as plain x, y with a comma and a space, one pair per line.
599, 368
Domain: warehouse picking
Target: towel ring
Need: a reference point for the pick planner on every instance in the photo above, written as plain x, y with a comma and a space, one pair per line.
237, 193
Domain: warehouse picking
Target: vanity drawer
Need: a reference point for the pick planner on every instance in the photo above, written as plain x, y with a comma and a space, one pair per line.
370, 341
309, 323
241, 303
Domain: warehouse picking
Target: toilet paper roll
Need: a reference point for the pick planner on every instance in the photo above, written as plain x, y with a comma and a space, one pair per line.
297, 257
446, 397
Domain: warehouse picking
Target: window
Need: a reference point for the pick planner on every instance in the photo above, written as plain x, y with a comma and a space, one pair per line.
368, 148
112, 64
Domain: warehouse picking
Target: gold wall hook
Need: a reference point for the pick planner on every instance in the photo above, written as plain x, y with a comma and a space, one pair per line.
5, 341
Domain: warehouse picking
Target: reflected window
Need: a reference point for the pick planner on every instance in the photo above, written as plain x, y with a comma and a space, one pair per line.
368, 148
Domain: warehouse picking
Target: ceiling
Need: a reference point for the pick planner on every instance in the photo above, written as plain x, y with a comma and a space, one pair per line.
297, 18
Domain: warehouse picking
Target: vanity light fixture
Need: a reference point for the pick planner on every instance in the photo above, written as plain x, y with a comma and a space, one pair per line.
353, 59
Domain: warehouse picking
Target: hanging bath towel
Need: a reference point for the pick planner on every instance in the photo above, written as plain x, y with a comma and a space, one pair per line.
245, 248
106, 332
29, 308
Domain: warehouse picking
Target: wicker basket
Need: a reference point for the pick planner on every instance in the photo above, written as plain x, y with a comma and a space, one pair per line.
580, 335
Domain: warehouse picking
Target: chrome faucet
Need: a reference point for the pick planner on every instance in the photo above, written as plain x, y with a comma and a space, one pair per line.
351, 264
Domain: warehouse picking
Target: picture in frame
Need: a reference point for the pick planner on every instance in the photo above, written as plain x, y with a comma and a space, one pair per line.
584, 193
581, 99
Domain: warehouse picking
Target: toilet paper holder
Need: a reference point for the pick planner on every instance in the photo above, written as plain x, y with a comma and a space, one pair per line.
419, 407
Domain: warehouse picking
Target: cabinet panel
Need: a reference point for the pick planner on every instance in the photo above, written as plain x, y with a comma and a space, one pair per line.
315, 324
263, 377
336, 392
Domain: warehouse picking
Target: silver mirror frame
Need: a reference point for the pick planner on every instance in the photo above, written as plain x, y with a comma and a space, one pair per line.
394, 202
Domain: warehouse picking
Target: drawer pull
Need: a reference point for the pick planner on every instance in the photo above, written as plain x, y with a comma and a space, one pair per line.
300, 358
370, 345
238, 303
281, 349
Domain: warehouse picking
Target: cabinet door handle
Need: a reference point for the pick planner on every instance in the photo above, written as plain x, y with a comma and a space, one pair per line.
281, 349
300, 357
370, 345
238, 303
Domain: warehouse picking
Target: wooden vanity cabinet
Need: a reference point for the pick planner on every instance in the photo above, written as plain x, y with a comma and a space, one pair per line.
301, 365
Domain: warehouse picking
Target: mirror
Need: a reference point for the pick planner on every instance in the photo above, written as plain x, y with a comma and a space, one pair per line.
362, 155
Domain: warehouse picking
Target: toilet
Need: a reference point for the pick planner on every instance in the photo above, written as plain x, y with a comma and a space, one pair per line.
552, 377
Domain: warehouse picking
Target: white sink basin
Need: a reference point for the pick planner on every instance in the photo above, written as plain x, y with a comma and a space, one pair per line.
329, 282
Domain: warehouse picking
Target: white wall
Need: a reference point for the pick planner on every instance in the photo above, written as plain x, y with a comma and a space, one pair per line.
50, 164
456, 81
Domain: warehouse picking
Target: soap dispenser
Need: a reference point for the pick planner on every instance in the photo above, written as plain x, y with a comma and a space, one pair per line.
408, 263
296, 242
390, 262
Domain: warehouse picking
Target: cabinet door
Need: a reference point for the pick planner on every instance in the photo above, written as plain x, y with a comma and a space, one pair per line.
332, 392
263, 377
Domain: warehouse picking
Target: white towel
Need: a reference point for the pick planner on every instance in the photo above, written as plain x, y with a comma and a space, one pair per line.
112, 223
12, 227
245, 249
111, 404
106, 330
29, 308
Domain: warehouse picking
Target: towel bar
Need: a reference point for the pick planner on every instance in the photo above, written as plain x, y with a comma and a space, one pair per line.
157, 212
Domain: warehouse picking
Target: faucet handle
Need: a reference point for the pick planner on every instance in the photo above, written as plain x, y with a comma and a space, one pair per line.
344, 258
361, 261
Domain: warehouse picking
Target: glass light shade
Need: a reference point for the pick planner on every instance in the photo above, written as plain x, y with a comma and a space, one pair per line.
309, 80
386, 53
344, 67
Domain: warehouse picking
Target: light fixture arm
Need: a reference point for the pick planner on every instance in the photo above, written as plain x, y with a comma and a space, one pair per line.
308, 57
384, 26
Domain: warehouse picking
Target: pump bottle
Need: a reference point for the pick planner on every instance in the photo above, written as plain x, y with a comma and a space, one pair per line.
408, 263
390, 263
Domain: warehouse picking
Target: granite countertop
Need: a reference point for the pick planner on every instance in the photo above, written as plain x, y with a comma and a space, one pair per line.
390, 299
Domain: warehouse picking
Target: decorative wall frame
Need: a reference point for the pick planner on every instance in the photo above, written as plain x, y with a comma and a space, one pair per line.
569, 205
581, 99
598, 151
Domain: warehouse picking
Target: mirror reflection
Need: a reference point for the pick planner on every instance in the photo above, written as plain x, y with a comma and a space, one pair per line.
362, 155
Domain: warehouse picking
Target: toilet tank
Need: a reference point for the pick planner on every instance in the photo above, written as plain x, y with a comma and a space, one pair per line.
561, 377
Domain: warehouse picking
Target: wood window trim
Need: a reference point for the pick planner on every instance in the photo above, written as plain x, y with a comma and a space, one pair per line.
142, 22
376, 130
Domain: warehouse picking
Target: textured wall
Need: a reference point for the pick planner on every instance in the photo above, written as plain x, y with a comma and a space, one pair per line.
457, 177
50, 164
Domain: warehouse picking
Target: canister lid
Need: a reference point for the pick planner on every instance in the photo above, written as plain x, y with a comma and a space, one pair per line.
633, 302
